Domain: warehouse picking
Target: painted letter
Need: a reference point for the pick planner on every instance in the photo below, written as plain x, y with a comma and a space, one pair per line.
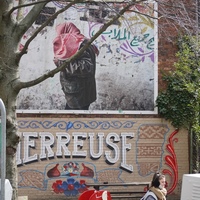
92, 145
125, 147
62, 144
29, 143
47, 140
79, 143
112, 146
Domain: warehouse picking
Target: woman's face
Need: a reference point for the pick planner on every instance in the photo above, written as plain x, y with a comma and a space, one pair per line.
162, 182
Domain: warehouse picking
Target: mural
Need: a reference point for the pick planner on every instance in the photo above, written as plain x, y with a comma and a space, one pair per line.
58, 156
67, 178
126, 65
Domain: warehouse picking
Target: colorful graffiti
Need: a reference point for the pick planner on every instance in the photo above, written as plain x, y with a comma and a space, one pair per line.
154, 149
126, 66
68, 179
70, 187
77, 125
66, 174
171, 161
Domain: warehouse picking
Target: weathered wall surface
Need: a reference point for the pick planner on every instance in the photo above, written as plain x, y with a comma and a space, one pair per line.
126, 68
57, 154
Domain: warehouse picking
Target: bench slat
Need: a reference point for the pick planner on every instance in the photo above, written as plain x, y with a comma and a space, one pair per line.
127, 192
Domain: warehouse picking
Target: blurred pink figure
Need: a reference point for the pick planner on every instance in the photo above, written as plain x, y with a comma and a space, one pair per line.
78, 77
95, 195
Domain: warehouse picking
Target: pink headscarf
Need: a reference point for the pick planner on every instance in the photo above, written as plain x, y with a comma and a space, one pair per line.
68, 41
68, 27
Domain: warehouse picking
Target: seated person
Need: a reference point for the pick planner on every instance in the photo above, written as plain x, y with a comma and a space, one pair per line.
157, 190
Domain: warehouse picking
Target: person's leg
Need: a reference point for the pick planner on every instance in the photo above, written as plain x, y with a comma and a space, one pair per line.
82, 108
85, 107
67, 107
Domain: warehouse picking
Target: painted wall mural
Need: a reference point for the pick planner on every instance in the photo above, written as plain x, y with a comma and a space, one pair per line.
126, 67
58, 156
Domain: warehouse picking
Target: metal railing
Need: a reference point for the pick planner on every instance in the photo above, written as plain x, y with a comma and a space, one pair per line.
3, 149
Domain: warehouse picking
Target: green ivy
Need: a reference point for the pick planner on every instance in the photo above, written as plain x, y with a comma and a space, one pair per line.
180, 102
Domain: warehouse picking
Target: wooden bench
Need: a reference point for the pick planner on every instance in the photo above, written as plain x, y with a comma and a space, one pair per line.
137, 192
127, 194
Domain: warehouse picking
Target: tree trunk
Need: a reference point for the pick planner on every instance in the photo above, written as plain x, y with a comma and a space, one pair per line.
12, 139
8, 78
8, 96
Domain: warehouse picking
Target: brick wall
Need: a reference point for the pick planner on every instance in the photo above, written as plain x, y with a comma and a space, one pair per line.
142, 146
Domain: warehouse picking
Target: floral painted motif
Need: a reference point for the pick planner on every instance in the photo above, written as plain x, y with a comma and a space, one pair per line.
70, 187
171, 161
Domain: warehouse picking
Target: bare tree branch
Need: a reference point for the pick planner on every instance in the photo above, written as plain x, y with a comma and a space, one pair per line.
19, 85
21, 5
30, 18
20, 11
24, 50
166, 13
178, 16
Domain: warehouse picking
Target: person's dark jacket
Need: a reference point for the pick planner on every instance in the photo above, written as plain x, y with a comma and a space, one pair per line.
149, 196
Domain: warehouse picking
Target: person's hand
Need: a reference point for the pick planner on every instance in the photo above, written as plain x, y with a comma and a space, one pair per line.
161, 187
